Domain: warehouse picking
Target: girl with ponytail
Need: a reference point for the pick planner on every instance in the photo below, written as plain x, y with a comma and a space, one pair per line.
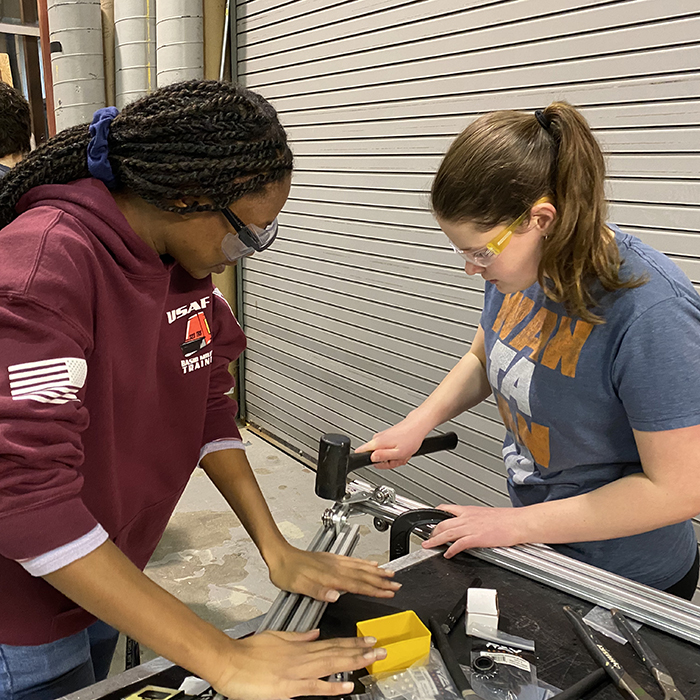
588, 341
114, 384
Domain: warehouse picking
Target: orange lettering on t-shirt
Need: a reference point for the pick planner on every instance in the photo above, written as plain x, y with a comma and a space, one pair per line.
514, 309
536, 439
506, 415
536, 334
566, 346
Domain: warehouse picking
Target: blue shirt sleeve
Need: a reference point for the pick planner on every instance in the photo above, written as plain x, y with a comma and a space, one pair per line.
656, 371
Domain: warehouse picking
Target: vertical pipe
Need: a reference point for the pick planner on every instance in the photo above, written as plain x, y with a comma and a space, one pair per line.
77, 59
225, 42
214, 15
134, 50
46, 62
107, 7
179, 41
36, 98
29, 15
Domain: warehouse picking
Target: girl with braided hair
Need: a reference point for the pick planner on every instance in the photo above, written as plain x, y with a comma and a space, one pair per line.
588, 341
115, 349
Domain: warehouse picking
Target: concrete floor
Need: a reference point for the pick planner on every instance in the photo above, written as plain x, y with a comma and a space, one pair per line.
206, 558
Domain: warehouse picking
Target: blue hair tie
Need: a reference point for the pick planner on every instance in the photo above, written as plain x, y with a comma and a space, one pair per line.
98, 148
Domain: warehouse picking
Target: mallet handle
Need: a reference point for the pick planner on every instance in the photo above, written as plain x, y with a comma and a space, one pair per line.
448, 441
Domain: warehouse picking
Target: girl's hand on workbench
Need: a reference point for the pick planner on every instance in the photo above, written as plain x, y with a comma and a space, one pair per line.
475, 526
394, 446
274, 665
323, 576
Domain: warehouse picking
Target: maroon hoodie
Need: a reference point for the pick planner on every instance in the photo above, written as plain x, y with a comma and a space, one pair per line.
81, 292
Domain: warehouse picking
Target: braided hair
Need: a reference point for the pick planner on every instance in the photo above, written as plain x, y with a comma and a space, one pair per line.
196, 138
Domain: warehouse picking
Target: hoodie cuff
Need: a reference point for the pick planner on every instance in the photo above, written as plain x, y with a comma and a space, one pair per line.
220, 424
31, 533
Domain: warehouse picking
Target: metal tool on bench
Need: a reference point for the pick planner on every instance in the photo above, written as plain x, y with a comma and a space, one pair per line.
296, 613
651, 661
620, 677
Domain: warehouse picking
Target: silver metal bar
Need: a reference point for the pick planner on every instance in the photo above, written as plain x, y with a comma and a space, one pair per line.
322, 608
285, 602
319, 607
316, 608
548, 554
121, 680
652, 607
580, 571
274, 612
300, 616
645, 604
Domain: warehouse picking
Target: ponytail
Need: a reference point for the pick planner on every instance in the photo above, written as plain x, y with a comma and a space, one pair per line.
503, 162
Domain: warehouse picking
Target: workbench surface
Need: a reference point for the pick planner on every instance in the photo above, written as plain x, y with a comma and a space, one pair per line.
527, 609
433, 584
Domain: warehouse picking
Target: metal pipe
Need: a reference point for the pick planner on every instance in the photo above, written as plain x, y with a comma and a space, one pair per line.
179, 41
227, 23
107, 9
77, 61
134, 49
46, 64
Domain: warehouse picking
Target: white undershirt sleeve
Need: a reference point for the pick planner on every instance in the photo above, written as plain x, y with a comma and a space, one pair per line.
66, 554
221, 444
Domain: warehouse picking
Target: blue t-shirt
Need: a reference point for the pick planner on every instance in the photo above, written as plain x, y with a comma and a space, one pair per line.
570, 393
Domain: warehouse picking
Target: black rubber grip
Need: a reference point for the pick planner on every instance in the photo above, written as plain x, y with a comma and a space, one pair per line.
601, 655
593, 680
448, 441
448, 656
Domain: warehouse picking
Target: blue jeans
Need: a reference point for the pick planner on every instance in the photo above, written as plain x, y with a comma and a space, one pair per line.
48, 671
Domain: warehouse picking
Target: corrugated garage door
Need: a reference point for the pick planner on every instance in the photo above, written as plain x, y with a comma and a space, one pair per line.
359, 310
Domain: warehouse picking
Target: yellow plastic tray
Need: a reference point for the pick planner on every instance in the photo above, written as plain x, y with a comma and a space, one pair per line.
403, 635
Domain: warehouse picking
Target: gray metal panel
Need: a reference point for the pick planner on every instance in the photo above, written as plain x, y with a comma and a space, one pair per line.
485, 25
360, 308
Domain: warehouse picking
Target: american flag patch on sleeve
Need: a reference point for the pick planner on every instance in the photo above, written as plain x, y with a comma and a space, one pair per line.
48, 381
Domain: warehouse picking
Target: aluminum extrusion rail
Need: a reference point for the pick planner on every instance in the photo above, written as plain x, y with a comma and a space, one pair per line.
285, 601
311, 610
655, 608
296, 613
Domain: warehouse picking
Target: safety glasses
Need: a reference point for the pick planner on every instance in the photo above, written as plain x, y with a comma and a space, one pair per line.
248, 238
483, 257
